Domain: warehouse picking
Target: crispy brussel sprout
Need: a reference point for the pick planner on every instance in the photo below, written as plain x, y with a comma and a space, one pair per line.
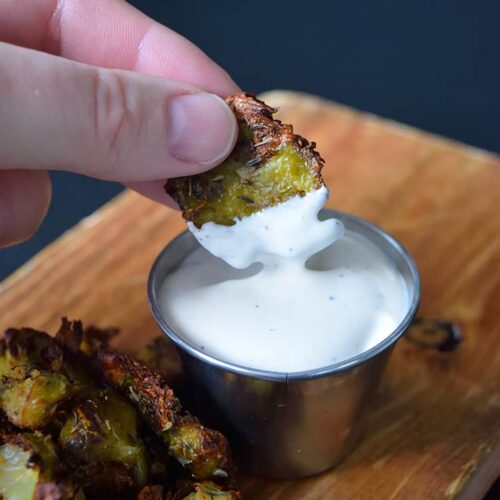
29, 347
208, 490
100, 439
203, 452
64, 353
268, 165
30, 397
68, 387
30, 468
187, 490
146, 389
17, 479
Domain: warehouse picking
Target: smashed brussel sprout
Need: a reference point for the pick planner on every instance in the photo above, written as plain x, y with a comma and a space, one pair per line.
103, 431
268, 165
202, 451
30, 348
17, 480
187, 490
146, 389
31, 398
30, 468
68, 432
208, 490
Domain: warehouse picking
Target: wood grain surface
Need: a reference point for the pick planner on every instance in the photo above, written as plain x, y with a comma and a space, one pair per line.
433, 430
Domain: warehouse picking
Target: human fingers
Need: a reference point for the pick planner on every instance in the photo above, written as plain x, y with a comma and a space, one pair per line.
110, 124
24, 201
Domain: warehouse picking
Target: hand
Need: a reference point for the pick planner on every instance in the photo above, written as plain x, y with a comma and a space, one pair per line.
122, 102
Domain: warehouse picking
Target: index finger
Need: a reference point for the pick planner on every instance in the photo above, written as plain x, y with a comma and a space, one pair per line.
110, 34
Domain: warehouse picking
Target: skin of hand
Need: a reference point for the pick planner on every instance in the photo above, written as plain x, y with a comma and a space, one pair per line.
98, 88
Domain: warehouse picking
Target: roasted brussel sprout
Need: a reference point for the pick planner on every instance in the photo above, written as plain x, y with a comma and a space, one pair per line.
67, 431
30, 469
30, 398
30, 348
208, 490
268, 165
186, 490
203, 452
100, 439
146, 389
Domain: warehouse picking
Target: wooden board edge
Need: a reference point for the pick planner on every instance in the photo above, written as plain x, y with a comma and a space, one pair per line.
478, 477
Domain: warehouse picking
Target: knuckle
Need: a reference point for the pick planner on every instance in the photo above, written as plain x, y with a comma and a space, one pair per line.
113, 114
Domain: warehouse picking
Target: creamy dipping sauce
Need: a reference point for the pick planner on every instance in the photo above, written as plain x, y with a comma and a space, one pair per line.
290, 230
293, 309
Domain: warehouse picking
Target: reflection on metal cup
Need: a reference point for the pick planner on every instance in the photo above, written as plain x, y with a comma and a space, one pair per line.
279, 424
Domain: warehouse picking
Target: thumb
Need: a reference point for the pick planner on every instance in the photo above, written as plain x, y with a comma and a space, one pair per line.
109, 124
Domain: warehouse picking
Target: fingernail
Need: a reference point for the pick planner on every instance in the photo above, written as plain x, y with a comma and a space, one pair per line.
201, 128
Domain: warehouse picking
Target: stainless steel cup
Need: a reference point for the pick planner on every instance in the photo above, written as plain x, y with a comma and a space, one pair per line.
287, 425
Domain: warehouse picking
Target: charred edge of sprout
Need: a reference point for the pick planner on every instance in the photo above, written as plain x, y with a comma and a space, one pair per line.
77, 340
146, 388
267, 134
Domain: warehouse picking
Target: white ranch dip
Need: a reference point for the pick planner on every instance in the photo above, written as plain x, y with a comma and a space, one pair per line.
293, 309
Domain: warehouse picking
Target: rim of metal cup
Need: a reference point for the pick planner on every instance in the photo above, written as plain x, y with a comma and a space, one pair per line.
183, 344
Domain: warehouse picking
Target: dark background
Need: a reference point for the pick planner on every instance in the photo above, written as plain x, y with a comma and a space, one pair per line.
431, 64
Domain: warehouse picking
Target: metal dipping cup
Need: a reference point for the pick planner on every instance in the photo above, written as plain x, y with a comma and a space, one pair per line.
286, 425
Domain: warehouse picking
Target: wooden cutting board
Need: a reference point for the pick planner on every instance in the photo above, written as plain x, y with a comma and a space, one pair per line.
434, 428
